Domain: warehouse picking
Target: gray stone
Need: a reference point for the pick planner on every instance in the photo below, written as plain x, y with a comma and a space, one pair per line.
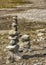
9, 47
13, 38
25, 37
14, 33
14, 42
24, 46
17, 56
13, 48
10, 57
14, 24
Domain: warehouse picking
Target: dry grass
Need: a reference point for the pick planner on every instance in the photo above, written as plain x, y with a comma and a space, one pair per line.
13, 3
10, 3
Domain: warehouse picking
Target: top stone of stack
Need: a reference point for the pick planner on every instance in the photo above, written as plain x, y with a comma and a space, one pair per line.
15, 24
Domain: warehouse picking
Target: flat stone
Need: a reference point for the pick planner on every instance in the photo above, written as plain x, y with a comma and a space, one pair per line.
12, 42
13, 33
13, 38
25, 37
12, 48
14, 24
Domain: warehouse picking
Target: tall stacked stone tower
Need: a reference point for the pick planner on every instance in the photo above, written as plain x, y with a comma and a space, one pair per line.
13, 53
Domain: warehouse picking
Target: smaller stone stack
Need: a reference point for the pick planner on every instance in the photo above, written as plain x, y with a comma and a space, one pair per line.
13, 53
25, 43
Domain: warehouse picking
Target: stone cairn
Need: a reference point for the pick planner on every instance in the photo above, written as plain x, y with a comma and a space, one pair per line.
18, 45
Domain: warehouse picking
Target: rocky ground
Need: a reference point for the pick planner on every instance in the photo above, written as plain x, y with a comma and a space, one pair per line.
31, 21
38, 45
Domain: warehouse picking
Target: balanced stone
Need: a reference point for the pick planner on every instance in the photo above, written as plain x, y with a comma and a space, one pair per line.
10, 47
25, 37
13, 38
13, 33
13, 42
13, 26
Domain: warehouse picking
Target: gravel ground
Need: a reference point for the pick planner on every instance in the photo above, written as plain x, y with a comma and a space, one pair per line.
30, 14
